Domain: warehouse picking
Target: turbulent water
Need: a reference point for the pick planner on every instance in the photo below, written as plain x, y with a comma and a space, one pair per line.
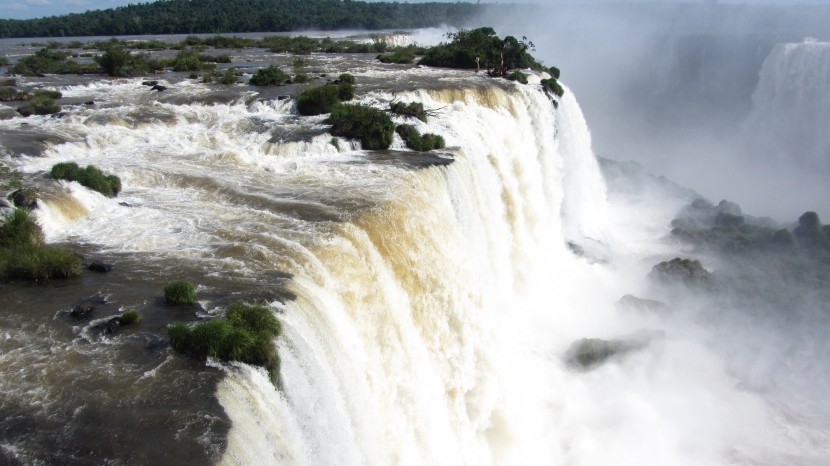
427, 302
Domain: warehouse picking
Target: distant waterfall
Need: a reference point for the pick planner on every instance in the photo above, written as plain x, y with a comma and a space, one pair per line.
791, 107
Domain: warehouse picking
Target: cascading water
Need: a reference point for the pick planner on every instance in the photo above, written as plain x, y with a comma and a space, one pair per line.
790, 106
426, 307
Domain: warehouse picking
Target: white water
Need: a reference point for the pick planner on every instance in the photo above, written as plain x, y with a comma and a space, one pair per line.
433, 306
791, 106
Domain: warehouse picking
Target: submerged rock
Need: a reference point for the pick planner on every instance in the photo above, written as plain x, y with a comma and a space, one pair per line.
631, 302
100, 267
86, 307
589, 353
689, 272
108, 327
159, 88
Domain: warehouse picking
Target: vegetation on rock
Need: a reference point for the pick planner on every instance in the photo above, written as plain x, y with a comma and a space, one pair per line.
42, 102
90, 176
373, 127
23, 256
246, 334
323, 99
418, 142
180, 292
482, 48
269, 76
412, 109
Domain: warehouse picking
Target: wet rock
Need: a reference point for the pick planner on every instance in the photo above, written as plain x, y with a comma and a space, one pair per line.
108, 327
589, 353
576, 249
89, 102
159, 88
283, 97
23, 198
86, 307
8, 82
633, 303
149, 83
100, 267
689, 272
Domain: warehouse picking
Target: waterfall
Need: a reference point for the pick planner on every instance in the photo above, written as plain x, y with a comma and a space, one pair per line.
791, 108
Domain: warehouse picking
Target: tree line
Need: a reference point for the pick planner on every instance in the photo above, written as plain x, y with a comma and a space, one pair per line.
214, 16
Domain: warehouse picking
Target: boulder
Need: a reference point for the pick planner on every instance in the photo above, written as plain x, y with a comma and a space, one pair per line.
108, 327
589, 353
24, 198
149, 83
86, 307
159, 88
689, 272
633, 303
100, 267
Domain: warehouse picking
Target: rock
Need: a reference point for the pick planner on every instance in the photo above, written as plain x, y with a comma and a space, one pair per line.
686, 271
100, 267
633, 303
8, 82
87, 307
283, 97
108, 327
576, 249
22, 198
589, 353
159, 88
89, 102
149, 83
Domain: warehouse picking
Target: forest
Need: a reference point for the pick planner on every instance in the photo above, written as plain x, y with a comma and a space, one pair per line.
214, 16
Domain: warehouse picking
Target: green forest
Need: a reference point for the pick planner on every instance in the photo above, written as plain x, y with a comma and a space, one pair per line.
215, 16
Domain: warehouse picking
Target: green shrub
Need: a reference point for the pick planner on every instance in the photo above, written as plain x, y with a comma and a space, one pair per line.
554, 71
518, 76
421, 143
20, 230
373, 127
187, 60
129, 318
39, 104
270, 76
413, 109
345, 92
482, 43
245, 334
552, 86
346, 78
117, 61
91, 177
38, 263
322, 99
45, 61
47, 94
8, 94
180, 292
4, 61
300, 78
229, 77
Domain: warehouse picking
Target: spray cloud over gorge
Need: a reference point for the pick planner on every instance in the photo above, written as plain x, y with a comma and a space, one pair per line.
494, 303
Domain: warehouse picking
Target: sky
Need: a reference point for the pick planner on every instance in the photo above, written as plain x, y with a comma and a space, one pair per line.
21, 9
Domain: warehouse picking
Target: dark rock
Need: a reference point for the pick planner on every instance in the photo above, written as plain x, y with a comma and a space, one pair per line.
589, 353
22, 198
108, 327
126, 204
89, 102
100, 267
159, 88
633, 303
686, 271
576, 249
283, 97
149, 83
87, 307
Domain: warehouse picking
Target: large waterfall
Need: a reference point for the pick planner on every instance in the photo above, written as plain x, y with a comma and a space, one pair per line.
426, 306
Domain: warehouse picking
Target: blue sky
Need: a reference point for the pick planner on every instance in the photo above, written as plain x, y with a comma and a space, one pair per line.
18, 9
